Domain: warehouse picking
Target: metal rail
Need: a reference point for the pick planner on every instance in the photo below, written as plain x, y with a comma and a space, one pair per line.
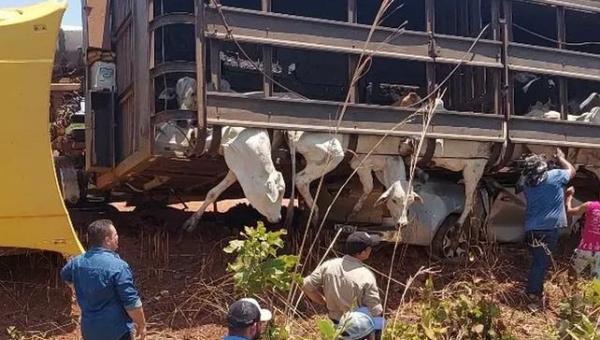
313, 115
290, 31
172, 19
173, 67
581, 5
281, 30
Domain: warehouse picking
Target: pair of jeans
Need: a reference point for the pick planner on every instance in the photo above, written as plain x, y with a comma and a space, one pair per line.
542, 244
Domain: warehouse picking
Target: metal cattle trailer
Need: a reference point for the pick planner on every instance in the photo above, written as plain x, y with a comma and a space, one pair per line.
313, 49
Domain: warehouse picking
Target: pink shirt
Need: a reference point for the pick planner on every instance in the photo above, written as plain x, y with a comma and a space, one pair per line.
590, 236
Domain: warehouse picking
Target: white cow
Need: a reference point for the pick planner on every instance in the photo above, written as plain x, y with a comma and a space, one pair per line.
586, 157
391, 172
247, 153
540, 110
468, 157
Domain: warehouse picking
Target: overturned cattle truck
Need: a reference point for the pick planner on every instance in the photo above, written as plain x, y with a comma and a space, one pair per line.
139, 139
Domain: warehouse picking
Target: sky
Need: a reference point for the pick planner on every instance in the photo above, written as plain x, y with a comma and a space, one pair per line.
72, 16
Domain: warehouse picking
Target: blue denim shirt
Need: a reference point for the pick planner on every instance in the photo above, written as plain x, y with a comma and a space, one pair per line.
546, 202
233, 337
105, 290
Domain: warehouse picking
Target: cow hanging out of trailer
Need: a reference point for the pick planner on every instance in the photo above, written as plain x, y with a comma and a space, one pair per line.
486, 58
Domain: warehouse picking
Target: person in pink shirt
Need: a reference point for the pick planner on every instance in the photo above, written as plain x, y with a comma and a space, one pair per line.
587, 253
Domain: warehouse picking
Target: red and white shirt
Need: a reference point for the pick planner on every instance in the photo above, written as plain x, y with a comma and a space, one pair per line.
590, 236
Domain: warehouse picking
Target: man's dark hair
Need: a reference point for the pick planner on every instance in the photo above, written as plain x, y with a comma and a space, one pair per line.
355, 248
359, 241
237, 331
98, 231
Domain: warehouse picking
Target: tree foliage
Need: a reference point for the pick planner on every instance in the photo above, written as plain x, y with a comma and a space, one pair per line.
257, 267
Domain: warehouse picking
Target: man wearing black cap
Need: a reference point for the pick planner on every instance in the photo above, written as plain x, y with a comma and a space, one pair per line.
342, 283
244, 318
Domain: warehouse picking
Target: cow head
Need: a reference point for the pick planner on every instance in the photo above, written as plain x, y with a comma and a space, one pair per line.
268, 197
410, 100
395, 198
186, 94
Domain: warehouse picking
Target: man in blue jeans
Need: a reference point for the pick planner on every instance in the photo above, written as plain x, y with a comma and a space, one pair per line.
545, 215
109, 302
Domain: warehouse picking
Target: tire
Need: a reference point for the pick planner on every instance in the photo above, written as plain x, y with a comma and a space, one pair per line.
450, 241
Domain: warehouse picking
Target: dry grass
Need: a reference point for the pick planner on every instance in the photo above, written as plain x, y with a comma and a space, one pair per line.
186, 290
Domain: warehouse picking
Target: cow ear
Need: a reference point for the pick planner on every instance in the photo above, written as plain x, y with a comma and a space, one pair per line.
280, 182
384, 196
417, 198
275, 185
272, 192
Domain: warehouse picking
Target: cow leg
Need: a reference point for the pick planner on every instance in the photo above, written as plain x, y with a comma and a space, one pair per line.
211, 197
311, 172
366, 179
472, 173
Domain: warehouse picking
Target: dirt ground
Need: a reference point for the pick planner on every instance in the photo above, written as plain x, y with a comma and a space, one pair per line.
185, 288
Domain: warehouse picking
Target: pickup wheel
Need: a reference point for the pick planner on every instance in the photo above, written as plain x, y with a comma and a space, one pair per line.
450, 241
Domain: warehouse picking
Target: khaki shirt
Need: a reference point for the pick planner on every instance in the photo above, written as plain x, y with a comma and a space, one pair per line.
346, 283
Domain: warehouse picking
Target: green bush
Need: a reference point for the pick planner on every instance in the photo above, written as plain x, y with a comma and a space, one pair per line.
468, 315
580, 312
257, 267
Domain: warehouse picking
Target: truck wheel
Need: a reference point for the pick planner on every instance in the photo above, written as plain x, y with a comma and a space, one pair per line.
450, 241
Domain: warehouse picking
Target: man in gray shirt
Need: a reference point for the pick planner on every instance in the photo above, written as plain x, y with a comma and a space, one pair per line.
343, 283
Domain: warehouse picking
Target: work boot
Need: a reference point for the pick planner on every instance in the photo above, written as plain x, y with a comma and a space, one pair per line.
536, 303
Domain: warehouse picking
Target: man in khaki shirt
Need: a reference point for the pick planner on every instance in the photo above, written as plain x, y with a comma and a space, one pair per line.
344, 283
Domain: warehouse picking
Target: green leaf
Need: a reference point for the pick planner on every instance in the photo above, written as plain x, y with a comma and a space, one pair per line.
233, 246
326, 329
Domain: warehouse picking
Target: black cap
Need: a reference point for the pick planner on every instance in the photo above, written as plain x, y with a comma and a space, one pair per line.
242, 314
359, 241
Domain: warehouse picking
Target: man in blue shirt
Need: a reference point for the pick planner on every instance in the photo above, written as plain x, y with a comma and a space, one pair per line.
545, 215
109, 302
244, 320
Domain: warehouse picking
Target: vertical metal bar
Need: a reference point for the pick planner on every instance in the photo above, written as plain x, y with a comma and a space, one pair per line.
506, 39
200, 78
561, 30
141, 72
477, 72
215, 64
495, 19
430, 66
561, 27
267, 57
496, 74
508, 16
353, 59
430, 15
152, 84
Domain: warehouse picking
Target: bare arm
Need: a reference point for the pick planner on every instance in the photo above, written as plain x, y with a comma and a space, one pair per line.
571, 210
560, 157
313, 287
315, 296
138, 317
